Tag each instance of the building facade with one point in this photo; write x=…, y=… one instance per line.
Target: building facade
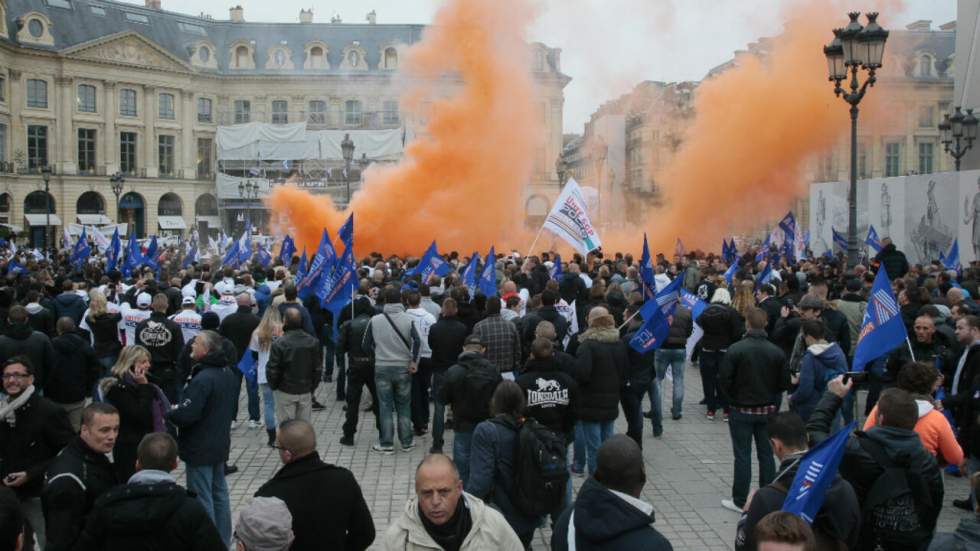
x=93, y=88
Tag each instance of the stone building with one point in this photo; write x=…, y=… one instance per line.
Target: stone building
x=92, y=88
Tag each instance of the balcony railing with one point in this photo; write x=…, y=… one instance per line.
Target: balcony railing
x=370, y=120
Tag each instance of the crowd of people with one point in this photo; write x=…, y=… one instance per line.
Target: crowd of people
x=109, y=380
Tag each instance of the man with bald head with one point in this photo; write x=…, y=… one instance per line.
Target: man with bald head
x=927, y=346
x=609, y=512
x=341, y=522
x=294, y=368
x=443, y=516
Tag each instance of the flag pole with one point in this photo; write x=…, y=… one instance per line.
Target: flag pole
x=535, y=242
x=627, y=320
x=908, y=342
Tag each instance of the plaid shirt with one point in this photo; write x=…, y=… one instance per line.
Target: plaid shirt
x=502, y=341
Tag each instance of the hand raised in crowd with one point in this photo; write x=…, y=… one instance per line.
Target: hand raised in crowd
x=839, y=387
x=14, y=480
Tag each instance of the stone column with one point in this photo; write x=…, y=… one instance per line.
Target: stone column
x=65, y=127
x=187, y=142
x=151, y=159
x=110, y=138
x=18, y=139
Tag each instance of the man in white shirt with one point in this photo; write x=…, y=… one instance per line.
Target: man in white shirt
x=421, y=379
x=187, y=318
x=226, y=304
x=131, y=317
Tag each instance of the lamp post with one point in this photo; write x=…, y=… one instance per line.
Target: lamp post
x=956, y=128
x=561, y=169
x=363, y=163
x=247, y=191
x=116, y=182
x=46, y=176
x=347, y=148
x=855, y=47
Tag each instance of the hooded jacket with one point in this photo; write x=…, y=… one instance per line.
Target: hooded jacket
x=40, y=318
x=74, y=372
x=150, y=513
x=933, y=429
x=463, y=391
x=393, y=346
x=601, y=369
x=551, y=395
x=722, y=327
x=69, y=304
x=606, y=521
x=894, y=261
x=822, y=362
x=489, y=530
x=204, y=416
x=19, y=339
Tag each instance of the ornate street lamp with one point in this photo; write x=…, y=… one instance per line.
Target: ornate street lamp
x=247, y=191
x=46, y=176
x=854, y=47
x=116, y=183
x=347, y=148
x=958, y=133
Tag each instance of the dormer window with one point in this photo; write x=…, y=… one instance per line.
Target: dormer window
x=316, y=56
x=204, y=53
x=390, y=59
x=36, y=28
x=924, y=66
x=241, y=57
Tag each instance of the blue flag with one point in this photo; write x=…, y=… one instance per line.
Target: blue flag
x=840, y=240
x=245, y=245
x=301, y=269
x=952, y=259
x=133, y=256
x=882, y=328
x=191, y=256
x=231, y=256
x=816, y=472
x=693, y=303
x=263, y=257
x=336, y=290
x=287, y=250
x=555, y=271
x=658, y=314
x=248, y=367
x=431, y=263
x=724, y=249
x=648, y=284
x=346, y=232
x=730, y=272
x=112, y=253
x=469, y=272
x=665, y=301
x=150, y=258
x=764, y=276
x=487, y=284
x=81, y=251
x=872, y=240
x=788, y=225
x=321, y=263
x=14, y=268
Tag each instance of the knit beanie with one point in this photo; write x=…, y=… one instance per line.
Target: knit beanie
x=265, y=525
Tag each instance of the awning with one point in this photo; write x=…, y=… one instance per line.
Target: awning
x=13, y=227
x=210, y=220
x=93, y=219
x=41, y=219
x=171, y=223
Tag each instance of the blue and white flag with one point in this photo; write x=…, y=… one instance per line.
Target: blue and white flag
x=764, y=276
x=469, y=272
x=263, y=257
x=80, y=252
x=730, y=272
x=231, y=256
x=321, y=263
x=249, y=368
x=431, y=263
x=191, y=255
x=952, y=258
x=151, y=251
x=336, y=290
x=245, y=245
x=840, y=240
x=346, y=232
x=693, y=303
x=112, y=253
x=14, y=268
x=555, y=271
x=487, y=284
x=816, y=472
x=872, y=240
x=882, y=328
x=287, y=250
x=788, y=225
x=648, y=284
x=658, y=314
x=665, y=301
x=569, y=220
x=134, y=258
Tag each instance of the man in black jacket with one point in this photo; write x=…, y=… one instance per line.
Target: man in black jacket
x=150, y=507
x=839, y=519
x=69, y=303
x=79, y=475
x=446, y=338
x=294, y=368
x=203, y=420
x=766, y=297
x=360, y=364
x=75, y=371
x=752, y=377
x=165, y=340
x=895, y=438
x=551, y=395
x=238, y=327
x=32, y=432
x=547, y=312
x=20, y=339
x=892, y=259
x=962, y=398
x=343, y=521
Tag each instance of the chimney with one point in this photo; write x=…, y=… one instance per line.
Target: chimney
x=237, y=14
x=920, y=25
x=372, y=17
x=306, y=16
x=153, y=4
x=951, y=26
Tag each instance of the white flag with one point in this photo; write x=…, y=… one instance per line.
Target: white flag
x=569, y=220
x=101, y=241
x=66, y=237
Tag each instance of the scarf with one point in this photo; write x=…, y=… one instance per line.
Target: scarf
x=9, y=407
x=450, y=536
x=160, y=407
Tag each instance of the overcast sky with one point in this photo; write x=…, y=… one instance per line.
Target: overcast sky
x=607, y=45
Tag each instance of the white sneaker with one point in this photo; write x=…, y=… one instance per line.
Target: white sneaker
x=253, y=424
x=730, y=505
x=409, y=447
x=386, y=450
x=234, y=425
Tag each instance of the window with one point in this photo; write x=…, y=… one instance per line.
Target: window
x=167, y=107
x=390, y=112
x=318, y=112
x=3, y=143
x=925, y=66
x=280, y=113
x=127, y=102
x=926, y=116
x=317, y=59
x=37, y=147
x=86, y=149
x=137, y=18
x=37, y=93
x=192, y=29
x=204, y=158
x=391, y=58
x=86, y=98
x=925, y=157
x=204, y=53
x=166, y=155
x=36, y=28
x=59, y=4
x=241, y=57
x=243, y=111
x=127, y=152
x=352, y=113
x=893, y=154
x=204, y=110
x=98, y=10
x=3, y=89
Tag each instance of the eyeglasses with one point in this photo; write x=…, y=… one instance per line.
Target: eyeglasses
x=10, y=376
x=281, y=448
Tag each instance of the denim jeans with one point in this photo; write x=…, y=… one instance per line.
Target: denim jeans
x=631, y=399
x=744, y=428
x=421, y=381
x=394, y=387
x=252, y=391
x=268, y=407
x=709, y=364
x=596, y=432
x=438, y=409
x=462, y=442
x=578, y=448
x=674, y=359
x=208, y=482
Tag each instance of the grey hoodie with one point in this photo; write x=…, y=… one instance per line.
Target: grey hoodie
x=389, y=348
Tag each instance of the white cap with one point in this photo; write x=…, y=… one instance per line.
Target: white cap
x=187, y=300
x=188, y=292
x=144, y=299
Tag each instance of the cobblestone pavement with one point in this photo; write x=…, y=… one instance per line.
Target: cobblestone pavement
x=689, y=471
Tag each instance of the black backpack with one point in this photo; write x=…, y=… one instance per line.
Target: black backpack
x=540, y=469
x=896, y=508
x=479, y=385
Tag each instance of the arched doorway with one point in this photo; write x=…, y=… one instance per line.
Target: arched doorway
x=132, y=212
x=535, y=210
x=36, y=214
x=90, y=209
x=206, y=215
x=170, y=218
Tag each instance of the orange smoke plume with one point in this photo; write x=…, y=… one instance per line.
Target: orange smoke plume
x=461, y=180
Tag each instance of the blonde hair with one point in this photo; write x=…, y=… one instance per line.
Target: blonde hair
x=744, y=297
x=128, y=357
x=97, y=303
x=269, y=327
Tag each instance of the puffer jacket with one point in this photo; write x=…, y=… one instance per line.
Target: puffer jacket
x=821, y=363
x=489, y=530
x=601, y=370
x=722, y=326
x=295, y=363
